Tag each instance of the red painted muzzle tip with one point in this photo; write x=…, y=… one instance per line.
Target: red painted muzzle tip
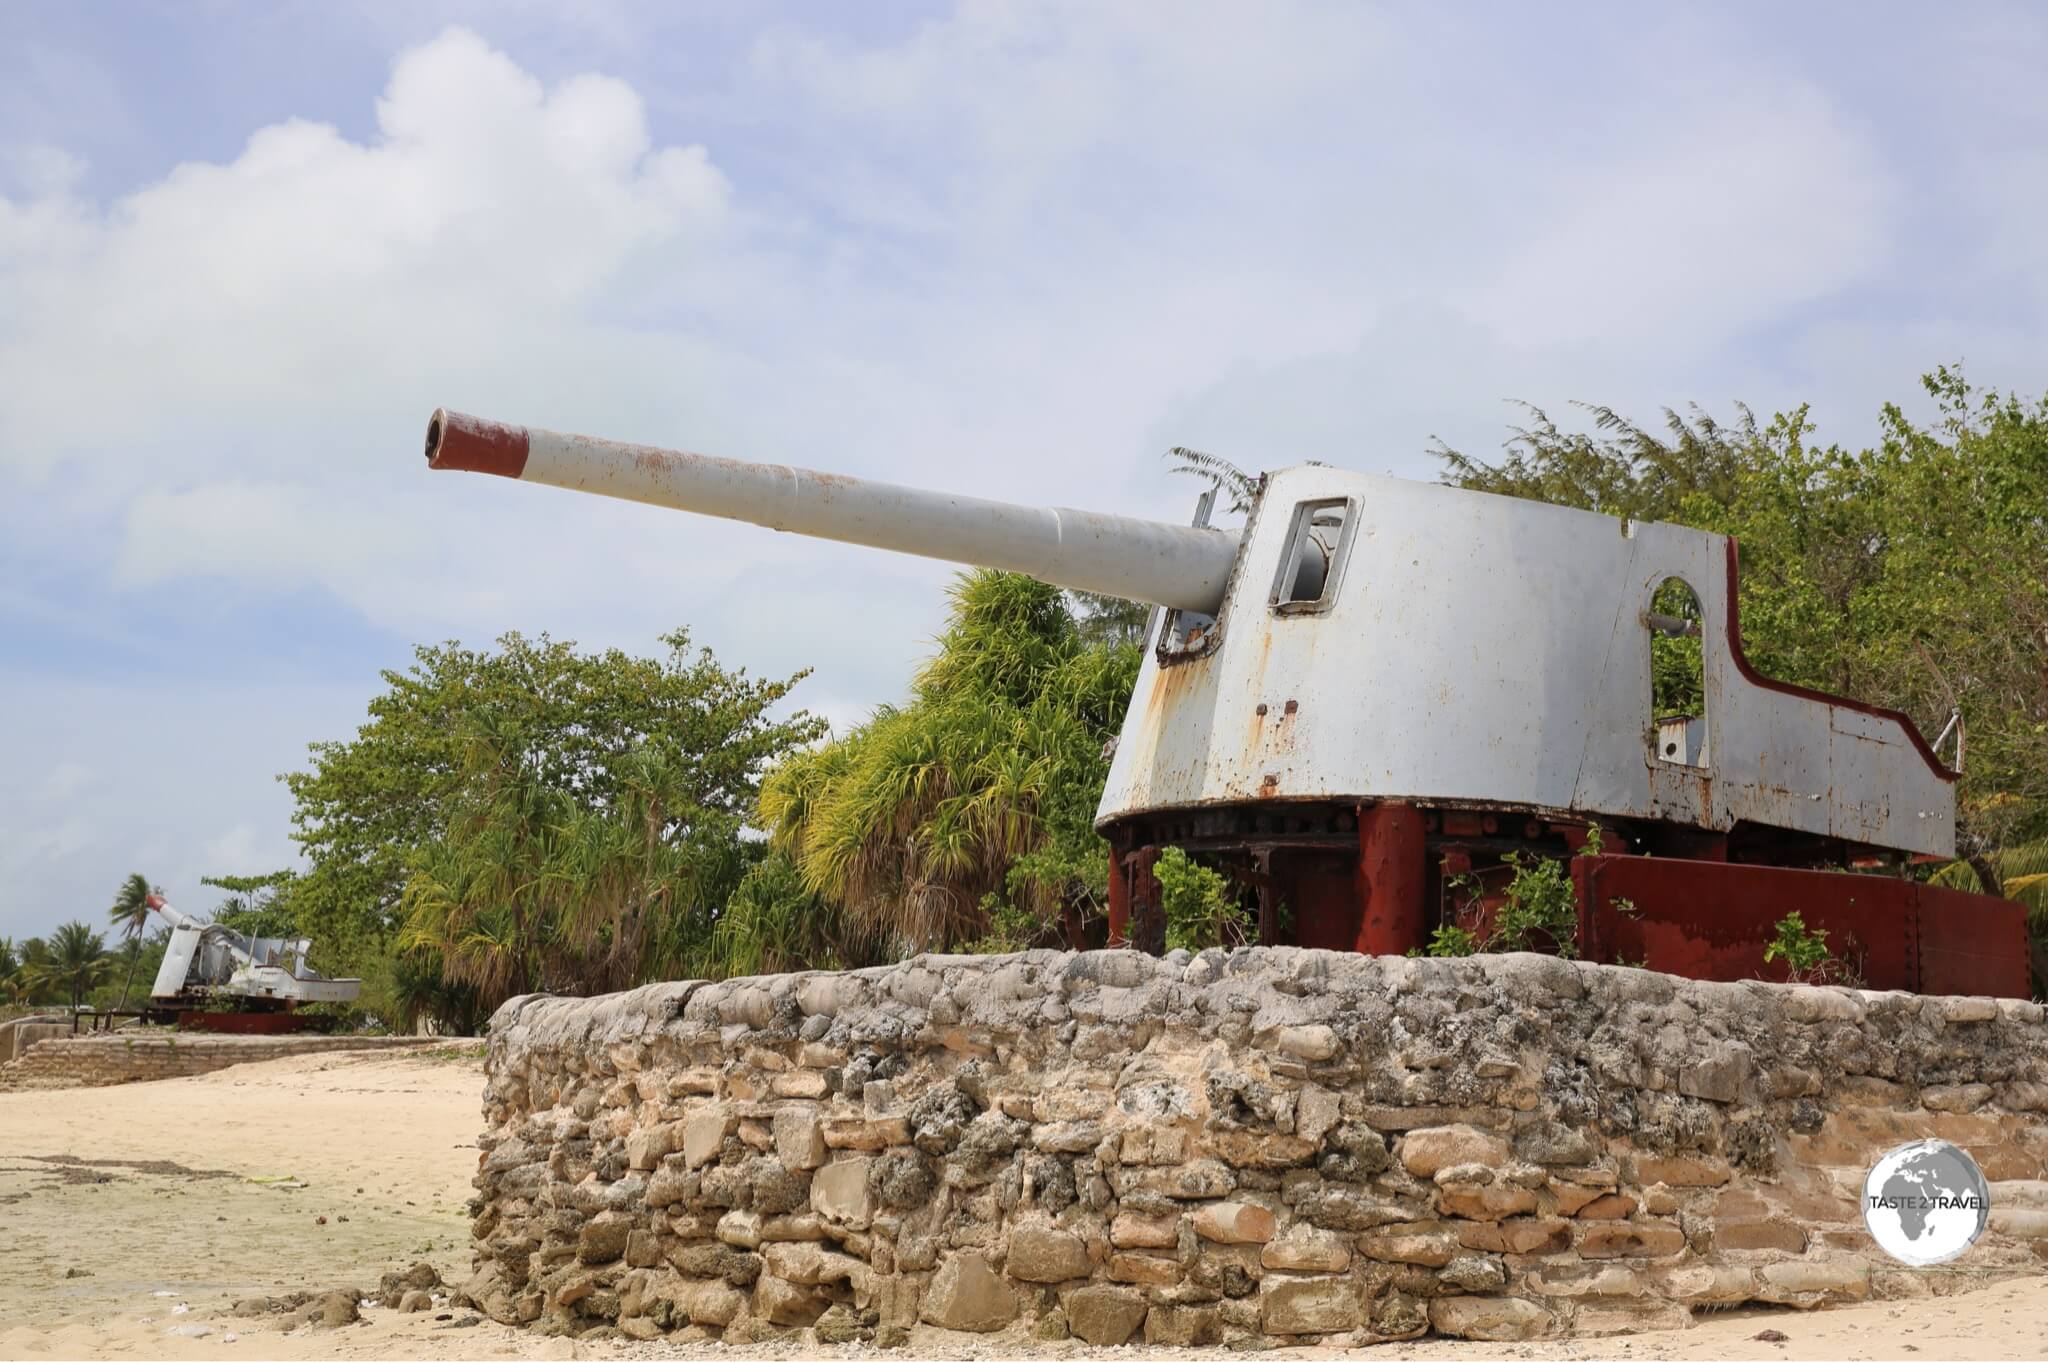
x=471, y=444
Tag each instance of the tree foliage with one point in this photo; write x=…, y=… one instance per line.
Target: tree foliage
x=256, y=905
x=537, y=818
x=130, y=916
x=1236, y=490
x=73, y=964
x=1200, y=908
x=773, y=923
x=978, y=794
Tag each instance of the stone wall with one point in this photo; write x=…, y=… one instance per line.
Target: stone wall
x=1261, y=1145
x=23, y=1034
x=98, y=1061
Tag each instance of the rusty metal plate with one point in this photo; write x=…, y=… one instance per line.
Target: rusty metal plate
x=1972, y=943
x=1706, y=920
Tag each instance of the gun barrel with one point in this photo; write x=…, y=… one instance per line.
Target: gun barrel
x=1178, y=566
x=172, y=915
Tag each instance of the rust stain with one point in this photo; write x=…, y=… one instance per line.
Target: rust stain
x=654, y=461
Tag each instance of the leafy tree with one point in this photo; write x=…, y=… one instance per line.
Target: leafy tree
x=977, y=794
x=418, y=989
x=1622, y=469
x=9, y=960
x=1109, y=620
x=535, y=816
x=130, y=914
x=76, y=960
x=527, y=889
x=256, y=905
x=772, y=923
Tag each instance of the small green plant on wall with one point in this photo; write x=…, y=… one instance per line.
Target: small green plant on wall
x=1538, y=906
x=1804, y=950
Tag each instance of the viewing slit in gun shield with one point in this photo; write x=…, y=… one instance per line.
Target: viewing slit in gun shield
x=1177, y=566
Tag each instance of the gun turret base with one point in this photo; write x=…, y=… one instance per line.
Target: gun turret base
x=1383, y=878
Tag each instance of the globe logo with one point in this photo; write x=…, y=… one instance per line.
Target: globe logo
x=1926, y=1202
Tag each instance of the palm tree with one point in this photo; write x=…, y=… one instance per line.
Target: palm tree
x=130, y=914
x=26, y=984
x=1234, y=487
x=77, y=961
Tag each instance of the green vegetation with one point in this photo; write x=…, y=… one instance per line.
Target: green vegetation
x=1536, y=910
x=256, y=905
x=534, y=818
x=971, y=804
x=1449, y=939
x=773, y=923
x=1803, y=951
x=1200, y=910
x=130, y=914
x=77, y=960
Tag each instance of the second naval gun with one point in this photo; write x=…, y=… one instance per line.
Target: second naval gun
x=214, y=978
x=1377, y=691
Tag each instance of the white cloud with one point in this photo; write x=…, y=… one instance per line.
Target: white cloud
x=1708, y=223
x=195, y=793
x=312, y=277
x=239, y=851
x=66, y=780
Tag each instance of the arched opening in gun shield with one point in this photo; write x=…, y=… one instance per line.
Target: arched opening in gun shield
x=1678, y=680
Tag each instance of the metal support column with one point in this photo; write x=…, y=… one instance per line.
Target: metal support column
x=1391, y=867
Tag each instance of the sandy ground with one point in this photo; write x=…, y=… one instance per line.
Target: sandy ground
x=148, y=1188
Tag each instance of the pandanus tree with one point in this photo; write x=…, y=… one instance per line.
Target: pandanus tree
x=975, y=798
x=532, y=817
x=536, y=884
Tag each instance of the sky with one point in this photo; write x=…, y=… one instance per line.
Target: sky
x=1013, y=250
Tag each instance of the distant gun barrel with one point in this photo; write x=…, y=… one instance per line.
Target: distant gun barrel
x=1178, y=566
x=172, y=916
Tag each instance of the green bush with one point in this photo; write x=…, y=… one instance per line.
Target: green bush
x=1200, y=910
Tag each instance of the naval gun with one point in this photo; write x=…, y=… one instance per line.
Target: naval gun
x=1380, y=693
x=216, y=979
